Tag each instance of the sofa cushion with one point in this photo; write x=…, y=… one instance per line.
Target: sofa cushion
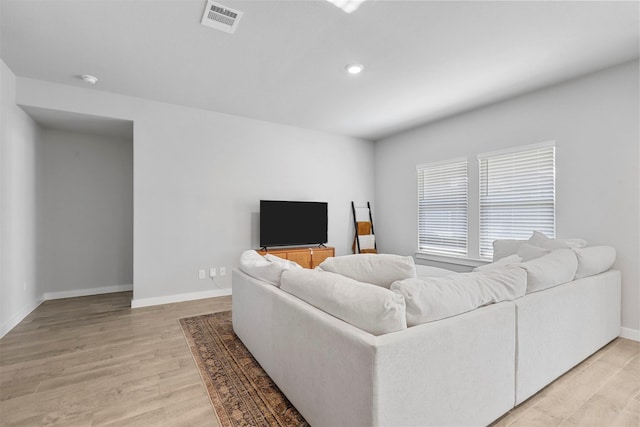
x=378, y=269
x=594, y=260
x=429, y=271
x=528, y=252
x=268, y=268
x=433, y=298
x=371, y=308
x=504, y=247
x=550, y=270
x=282, y=262
x=502, y=262
x=542, y=241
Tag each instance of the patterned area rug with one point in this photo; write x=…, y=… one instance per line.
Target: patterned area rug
x=241, y=392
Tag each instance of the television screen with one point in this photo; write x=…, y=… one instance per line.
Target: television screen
x=288, y=223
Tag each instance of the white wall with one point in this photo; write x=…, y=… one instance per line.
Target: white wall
x=198, y=179
x=20, y=157
x=87, y=213
x=595, y=123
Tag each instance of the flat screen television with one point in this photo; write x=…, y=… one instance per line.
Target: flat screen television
x=290, y=223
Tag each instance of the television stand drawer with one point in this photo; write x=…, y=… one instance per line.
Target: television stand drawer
x=307, y=257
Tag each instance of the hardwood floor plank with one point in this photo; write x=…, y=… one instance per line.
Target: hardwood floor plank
x=570, y=392
x=611, y=397
x=581, y=389
x=152, y=418
x=630, y=414
x=537, y=417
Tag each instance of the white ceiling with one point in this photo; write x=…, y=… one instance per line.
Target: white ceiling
x=423, y=60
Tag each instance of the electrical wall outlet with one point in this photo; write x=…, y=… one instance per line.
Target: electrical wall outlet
x=223, y=271
x=202, y=274
x=212, y=272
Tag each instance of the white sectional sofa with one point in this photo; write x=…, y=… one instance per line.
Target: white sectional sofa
x=559, y=327
x=463, y=370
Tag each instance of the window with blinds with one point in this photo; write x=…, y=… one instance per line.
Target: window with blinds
x=517, y=194
x=442, y=207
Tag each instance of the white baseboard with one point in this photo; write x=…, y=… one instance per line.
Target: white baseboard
x=630, y=334
x=146, y=302
x=19, y=317
x=89, y=291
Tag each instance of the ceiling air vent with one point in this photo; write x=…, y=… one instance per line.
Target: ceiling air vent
x=220, y=17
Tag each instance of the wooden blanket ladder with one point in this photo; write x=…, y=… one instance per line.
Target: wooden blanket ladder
x=364, y=241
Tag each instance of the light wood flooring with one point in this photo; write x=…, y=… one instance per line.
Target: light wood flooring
x=95, y=361
x=602, y=391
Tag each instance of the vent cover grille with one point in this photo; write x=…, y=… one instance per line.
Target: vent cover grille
x=221, y=17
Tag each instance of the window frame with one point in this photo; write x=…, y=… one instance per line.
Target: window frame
x=474, y=225
x=446, y=251
x=521, y=152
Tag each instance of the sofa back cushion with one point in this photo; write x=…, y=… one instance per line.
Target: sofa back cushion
x=433, y=298
x=371, y=308
x=542, y=241
x=504, y=247
x=594, y=260
x=528, y=252
x=378, y=269
x=550, y=270
x=430, y=271
x=267, y=268
x=502, y=262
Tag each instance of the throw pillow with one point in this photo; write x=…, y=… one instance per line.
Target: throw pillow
x=504, y=247
x=268, y=270
x=528, y=252
x=542, y=241
x=377, y=269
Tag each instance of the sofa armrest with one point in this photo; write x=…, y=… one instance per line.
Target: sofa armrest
x=323, y=365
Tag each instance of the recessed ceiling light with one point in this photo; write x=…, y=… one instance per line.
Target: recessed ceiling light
x=347, y=5
x=89, y=79
x=354, y=68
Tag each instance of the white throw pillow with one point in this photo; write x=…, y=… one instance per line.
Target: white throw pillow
x=504, y=247
x=594, y=260
x=282, y=262
x=528, y=252
x=553, y=269
x=367, y=241
x=370, y=308
x=268, y=270
x=378, y=269
x=502, y=262
x=542, y=241
x=433, y=298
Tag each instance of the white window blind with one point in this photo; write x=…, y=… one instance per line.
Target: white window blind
x=442, y=208
x=517, y=194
